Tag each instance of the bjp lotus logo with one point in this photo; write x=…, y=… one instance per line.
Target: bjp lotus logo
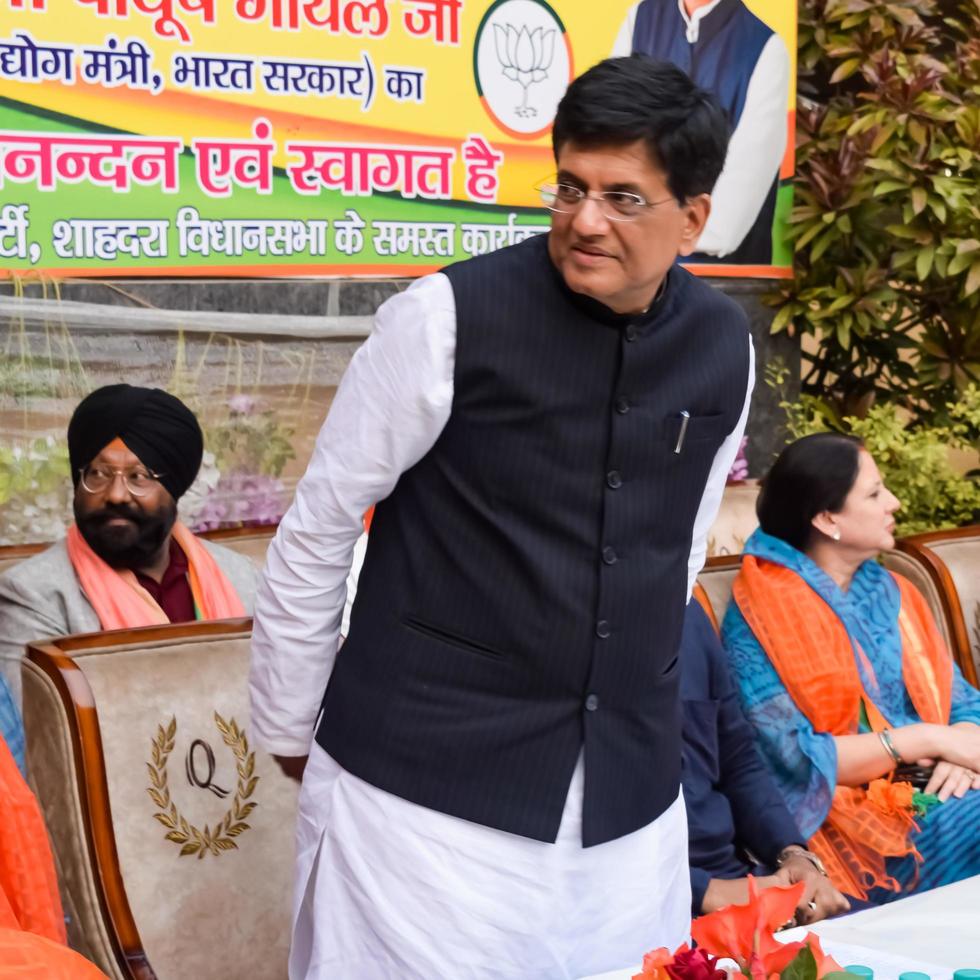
x=525, y=57
x=523, y=64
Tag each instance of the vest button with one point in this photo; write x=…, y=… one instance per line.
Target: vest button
x=614, y=480
x=592, y=702
x=603, y=629
x=632, y=333
x=622, y=406
x=609, y=556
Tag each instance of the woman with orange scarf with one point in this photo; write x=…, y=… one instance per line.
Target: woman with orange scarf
x=846, y=680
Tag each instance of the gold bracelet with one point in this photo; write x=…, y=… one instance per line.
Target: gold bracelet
x=889, y=746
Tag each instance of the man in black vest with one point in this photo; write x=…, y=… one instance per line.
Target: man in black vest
x=727, y=50
x=493, y=788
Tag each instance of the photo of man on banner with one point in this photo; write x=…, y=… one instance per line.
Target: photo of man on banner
x=728, y=50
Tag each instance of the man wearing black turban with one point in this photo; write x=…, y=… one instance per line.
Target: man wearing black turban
x=127, y=561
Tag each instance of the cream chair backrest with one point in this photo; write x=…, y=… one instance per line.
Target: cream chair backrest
x=716, y=579
x=253, y=542
x=951, y=561
x=917, y=573
x=173, y=831
x=736, y=519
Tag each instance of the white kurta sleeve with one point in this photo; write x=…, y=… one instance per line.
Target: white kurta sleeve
x=393, y=402
x=715, y=487
x=755, y=153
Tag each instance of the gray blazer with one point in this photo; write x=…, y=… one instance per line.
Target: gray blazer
x=40, y=598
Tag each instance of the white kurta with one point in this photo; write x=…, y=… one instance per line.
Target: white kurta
x=386, y=888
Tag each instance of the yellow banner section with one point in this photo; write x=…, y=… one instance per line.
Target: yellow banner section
x=454, y=97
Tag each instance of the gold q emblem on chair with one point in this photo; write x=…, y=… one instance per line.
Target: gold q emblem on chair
x=190, y=839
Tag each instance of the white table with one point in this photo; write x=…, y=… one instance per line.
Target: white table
x=941, y=926
x=936, y=932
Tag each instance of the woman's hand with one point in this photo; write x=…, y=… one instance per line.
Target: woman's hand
x=959, y=745
x=951, y=780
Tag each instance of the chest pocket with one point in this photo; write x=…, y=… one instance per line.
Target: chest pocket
x=697, y=431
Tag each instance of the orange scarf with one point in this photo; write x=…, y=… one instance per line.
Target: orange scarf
x=121, y=602
x=814, y=656
x=29, y=898
x=26, y=956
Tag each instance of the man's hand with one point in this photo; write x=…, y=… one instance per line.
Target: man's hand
x=726, y=891
x=292, y=765
x=820, y=898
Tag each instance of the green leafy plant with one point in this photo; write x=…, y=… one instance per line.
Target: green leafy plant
x=35, y=491
x=886, y=225
x=914, y=459
x=39, y=467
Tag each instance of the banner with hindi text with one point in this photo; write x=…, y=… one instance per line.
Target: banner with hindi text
x=311, y=137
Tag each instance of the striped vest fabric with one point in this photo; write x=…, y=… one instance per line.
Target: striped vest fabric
x=524, y=586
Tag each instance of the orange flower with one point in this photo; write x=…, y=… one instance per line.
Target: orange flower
x=741, y=931
x=891, y=798
x=825, y=963
x=655, y=963
x=745, y=933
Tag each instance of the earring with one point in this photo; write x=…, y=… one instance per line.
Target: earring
x=836, y=534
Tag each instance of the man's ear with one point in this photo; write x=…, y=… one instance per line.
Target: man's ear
x=695, y=211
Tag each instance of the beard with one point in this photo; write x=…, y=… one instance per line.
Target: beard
x=135, y=544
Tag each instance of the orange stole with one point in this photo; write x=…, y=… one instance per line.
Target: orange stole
x=29, y=897
x=121, y=602
x=813, y=654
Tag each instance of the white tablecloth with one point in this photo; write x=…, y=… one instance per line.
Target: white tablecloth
x=936, y=932
x=941, y=926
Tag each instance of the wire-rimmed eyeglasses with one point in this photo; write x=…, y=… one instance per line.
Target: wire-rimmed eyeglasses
x=139, y=482
x=615, y=205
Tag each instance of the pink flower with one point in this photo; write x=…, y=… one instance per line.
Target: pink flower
x=740, y=468
x=243, y=404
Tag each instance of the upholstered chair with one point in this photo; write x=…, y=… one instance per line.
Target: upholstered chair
x=736, y=519
x=950, y=561
x=715, y=583
x=253, y=542
x=173, y=831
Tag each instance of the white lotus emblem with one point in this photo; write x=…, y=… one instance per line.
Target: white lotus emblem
x=525, y=57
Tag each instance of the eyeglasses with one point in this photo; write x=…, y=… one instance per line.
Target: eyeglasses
x=615, y=205
x=98, y=479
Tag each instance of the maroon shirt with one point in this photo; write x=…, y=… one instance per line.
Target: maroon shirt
x=173, y=592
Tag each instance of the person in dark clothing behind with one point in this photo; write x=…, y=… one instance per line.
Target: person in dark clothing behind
x=738, y=824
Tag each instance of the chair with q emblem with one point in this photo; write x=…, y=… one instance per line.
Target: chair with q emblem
x=173, y=833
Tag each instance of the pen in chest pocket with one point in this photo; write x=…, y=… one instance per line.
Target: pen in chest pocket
x=685, y=418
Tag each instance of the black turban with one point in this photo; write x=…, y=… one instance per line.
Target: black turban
x=159, y=428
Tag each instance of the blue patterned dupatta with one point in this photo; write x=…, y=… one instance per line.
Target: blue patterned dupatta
x=803, y=759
